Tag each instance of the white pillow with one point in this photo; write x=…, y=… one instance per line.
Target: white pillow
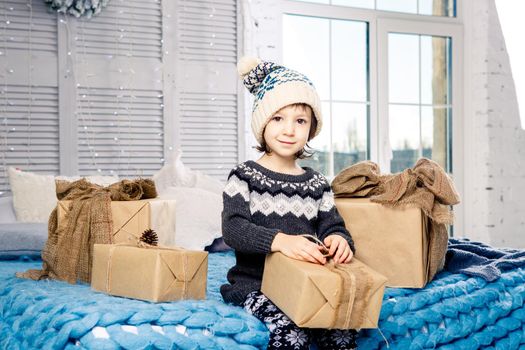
x=175, y=174
x=198, y=216
x=34, y=195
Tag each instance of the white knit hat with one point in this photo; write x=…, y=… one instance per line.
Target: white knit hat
x=275, y=87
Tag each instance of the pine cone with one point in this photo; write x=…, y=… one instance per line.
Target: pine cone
x=150, y=237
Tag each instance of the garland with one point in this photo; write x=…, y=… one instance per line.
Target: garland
x=77, y=8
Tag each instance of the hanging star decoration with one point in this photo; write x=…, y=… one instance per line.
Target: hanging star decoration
x=77, y=8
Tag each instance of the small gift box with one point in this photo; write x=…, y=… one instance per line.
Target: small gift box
x=394, y=242
x=131, y=218
x=334, y=296
x=149, y=273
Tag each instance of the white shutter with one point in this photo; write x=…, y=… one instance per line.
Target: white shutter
x=130, y=142
x=208, y=132
x=28, y=97
x=112, y=94
x=208, y=30
x=206, y=83
x=119, y=100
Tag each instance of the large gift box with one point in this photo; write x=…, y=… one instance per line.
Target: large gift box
x=152, y=273
x=132, y=218
x=334, y=296
x=394, y=242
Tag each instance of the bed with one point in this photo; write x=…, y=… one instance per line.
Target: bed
x=453, y=312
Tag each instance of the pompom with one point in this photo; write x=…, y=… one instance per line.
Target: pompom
x=246, y=64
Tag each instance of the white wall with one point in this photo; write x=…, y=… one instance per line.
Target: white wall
x=494, y=141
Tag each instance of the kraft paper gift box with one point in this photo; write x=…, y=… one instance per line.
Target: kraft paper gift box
x=394, y=242
x=132, y=218
x=321, y=296
x=154, y=274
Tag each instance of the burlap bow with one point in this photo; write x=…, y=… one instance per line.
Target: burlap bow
x=425, y=186
x=68, y=252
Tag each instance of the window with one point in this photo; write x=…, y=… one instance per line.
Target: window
x=340, y=75
x=422, y=7
x=389, y=82
x=418, y=91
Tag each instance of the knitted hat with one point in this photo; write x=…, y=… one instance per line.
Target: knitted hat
x=275, y=87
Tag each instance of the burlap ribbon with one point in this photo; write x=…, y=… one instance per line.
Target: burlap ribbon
x=356, y=291
x=68, y=252
x=425, y=186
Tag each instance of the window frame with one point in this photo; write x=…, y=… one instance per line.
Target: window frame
x=379, y=24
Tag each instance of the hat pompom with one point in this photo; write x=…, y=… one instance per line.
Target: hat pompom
x=246, y=64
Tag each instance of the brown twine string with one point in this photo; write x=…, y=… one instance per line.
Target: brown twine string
x=184, y=270
x=319, y=242
x=340, y=272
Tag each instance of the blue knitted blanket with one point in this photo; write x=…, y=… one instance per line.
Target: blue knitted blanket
x=482, y=260
x=56, y=315
x=454, y=311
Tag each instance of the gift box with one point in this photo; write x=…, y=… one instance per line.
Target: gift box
x=132, y=218
x=155, y=274
x=394, y=242
x=333, y=296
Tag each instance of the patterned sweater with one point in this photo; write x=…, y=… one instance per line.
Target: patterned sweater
x=259, y=203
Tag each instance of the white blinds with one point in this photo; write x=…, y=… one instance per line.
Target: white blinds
x=28, y=89
x=114, y=94
x=207, y=85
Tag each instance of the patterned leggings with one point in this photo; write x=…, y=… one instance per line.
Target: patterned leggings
x=284, y=334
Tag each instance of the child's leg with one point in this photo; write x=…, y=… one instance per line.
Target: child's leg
x=284, y=334
x=335, y=339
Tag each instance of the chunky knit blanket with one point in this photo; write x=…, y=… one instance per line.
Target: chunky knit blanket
x=454, y=311
x=56, y=315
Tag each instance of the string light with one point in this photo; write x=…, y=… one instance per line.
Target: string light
x=88, y=134
x=29, y=131
x=5, y=94
x=120, y=88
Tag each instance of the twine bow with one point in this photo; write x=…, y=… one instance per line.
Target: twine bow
x=348, y=287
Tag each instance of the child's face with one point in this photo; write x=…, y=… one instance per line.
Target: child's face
x=287, y=131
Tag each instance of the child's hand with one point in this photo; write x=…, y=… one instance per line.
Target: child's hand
x=339, y=246
x=299, y=248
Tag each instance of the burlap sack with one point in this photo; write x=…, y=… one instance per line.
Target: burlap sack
x=425, y=186
x=68, y=252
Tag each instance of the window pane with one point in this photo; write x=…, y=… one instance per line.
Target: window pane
x=435, y=135
x=349, y=61
x=367, y=4
x=407, y=6
x=349, y=134
x=403, y=68
x=404, y=136
x=437, y=7
x=305, y=49
x=321, y=144
x=316, y=1
x=434, y=70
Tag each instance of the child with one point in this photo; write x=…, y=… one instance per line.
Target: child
x=268, y=204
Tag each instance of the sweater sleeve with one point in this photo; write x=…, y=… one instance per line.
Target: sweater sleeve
x=330, y=221
x=238, y=231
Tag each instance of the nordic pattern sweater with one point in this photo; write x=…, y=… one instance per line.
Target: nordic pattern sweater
x=259, y=203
